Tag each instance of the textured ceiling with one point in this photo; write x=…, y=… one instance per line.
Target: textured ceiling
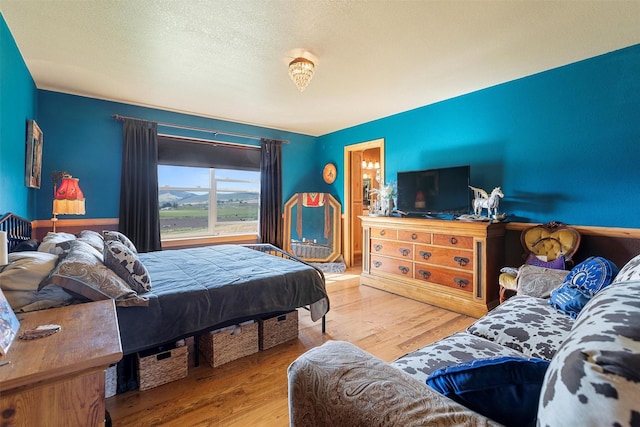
x=228, y=59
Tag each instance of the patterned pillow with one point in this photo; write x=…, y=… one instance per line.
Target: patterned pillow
x=630, y=271
x=125, y=263
x=454, y=349
x=539, y=281
x=505, y=389
x=93, y=238
x=592, y=275
x=51, y=242
x=594, y=379
x=529, y=325
x=82, y=274
x=116, y=235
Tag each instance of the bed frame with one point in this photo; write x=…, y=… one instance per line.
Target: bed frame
x=275, y=251
x=18, y=230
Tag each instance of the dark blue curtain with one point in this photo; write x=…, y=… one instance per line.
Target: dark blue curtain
x=139, y=215
x=271, y=192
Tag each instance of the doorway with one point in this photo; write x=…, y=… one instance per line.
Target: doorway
x=354, y=192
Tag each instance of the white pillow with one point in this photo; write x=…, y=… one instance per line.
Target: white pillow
x=20, y=279
x=51, y=240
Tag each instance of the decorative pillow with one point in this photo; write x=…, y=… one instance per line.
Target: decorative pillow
x=594, y=378
x=452, y=350
x=21, y=278
x=116, y=235
x=630, y=271
x=526, y=324
x=51, y=241
x=126, y=264
x=556, y=264
x=505, y=389
x=569, y=299
x=592, y=275
x=539, y=281
x=583, y=281
x=82, y=274
x=93, y=238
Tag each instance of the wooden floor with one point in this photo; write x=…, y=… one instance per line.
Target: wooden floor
x=252, y=391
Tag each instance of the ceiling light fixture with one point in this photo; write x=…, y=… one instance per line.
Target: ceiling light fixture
x=301, y=72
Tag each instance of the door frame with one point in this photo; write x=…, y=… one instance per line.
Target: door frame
x=349, y=215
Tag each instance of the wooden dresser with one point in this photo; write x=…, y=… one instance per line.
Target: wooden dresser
x=59, y=380
x=451, y=264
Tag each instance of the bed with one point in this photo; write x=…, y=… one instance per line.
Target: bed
x=175, y=293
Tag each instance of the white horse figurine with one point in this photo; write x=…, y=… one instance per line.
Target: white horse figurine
x=483, y=200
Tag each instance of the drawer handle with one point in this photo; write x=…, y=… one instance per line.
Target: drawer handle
x=461, y=260
x=403, y=269
x=453, y=241
x=377, y=247
x=404, y=251
x=377, y=264
x=382, y=232
x=414, y=236
x=424, y=273
x=425, y=254
x=461, y=282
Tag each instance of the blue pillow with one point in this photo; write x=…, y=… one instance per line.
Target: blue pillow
x=592, y=275
x=505, y=389
x=569, y=299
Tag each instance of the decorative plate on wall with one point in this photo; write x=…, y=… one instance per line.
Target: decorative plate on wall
x=329, y=173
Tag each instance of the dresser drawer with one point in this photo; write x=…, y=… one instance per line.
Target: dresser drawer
x=454, y=241
x=414, y=236
x=385, y=233
x=445, y=257
x=392, y=248
x=443, y=276
x=392, y=266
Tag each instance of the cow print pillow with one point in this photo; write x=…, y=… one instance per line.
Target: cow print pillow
x=594, y=378
x=527, y=324
x=125, y=263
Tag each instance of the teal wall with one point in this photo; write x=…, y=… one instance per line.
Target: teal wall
x=17, y=105
x=83, y=139
x=563, y=144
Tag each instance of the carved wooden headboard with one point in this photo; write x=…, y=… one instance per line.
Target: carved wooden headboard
x=18, y=229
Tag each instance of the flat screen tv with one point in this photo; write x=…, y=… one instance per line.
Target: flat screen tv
x=435, y=192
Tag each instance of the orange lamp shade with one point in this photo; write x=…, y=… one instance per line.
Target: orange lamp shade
x=68, y=198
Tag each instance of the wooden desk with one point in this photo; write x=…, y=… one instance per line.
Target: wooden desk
x=59, y=380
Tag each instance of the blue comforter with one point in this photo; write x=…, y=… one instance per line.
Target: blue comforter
x=197, y=289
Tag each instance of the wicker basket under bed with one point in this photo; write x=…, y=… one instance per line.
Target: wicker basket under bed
x=223, y=346
x=161, y=367
x=278, y=329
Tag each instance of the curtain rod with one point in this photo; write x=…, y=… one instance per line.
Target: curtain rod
x=211, y=142
x=214, y=132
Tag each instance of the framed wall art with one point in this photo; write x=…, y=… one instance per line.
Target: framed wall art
x=33, y=166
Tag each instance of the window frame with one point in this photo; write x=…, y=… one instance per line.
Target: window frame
x=213, y=189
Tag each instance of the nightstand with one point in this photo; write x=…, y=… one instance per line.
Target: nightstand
x=59, y=380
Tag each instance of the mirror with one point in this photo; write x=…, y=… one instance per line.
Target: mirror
x=312, y=227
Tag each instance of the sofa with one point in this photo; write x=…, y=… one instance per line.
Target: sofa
x=591, y=375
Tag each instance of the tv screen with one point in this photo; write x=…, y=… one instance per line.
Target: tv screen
x=435, y=192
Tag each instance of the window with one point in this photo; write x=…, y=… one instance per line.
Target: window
x=200, y=201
